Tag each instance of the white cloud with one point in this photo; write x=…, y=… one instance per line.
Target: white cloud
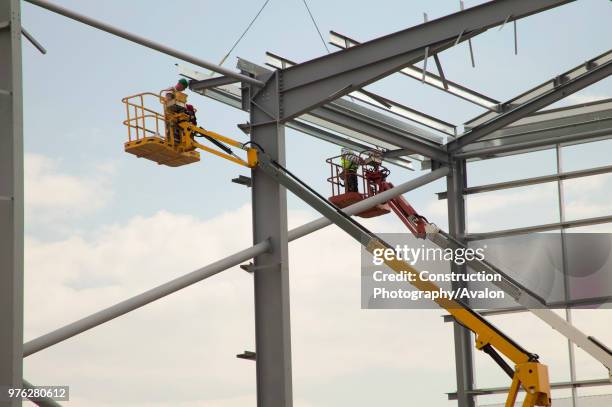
x=53, y=193
x=588, y=197
x=180, y=351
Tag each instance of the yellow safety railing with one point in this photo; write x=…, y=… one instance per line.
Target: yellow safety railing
x=142, y=121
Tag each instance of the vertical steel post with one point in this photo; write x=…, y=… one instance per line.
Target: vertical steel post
x=456, y=182
x=566, y=279
x=271, y=270
x=11, y=198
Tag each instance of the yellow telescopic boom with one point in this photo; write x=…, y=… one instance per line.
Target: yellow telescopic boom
x=168, y=138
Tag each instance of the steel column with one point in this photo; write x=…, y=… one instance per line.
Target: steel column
x=271, y=269
x=11, y=199
x=456, y=183
x=566, y=279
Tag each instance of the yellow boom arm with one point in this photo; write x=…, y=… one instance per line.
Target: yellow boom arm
x=178, y=146
x=528, y=372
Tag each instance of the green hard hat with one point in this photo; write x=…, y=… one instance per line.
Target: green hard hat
x=184, y=82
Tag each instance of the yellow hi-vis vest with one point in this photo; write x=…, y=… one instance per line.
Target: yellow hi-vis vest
x=349, y=163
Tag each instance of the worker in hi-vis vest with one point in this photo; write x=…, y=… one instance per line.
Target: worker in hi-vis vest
x=350, y=164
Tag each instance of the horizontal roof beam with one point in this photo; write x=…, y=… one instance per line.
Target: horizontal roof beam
x=569, y=125
x=373, y=124
x=358, y=122
x=343, y=141
x=545, y=139
x=336, y=114
x=544, y=95
x=315, y=127
x=540, y=89
x=415, y=72
x=380, y=102
x=318, y=81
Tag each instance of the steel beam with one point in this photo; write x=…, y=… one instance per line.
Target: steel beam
x=550, y=305
x=11, y=199
x=374, y=124
x=438, y=82
x=143, y=41
x=456, y=181
x=140, y=300
x=370, y=202
x=533, y=181
x=565, y=267
x=33, y=41
x=554, y=386
x=40, y=401
x=566, y=125
x=271, y=269
x=351, y=119
x=541, y=89
x=540, y=228
x=548, y=139
x=380, y=102
x=135, y=302
x=200, y=85
x=342, y=141
x=355, y=115
x=316, y=82
x=534, y=100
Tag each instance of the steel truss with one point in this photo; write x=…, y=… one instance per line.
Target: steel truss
x=308, y=97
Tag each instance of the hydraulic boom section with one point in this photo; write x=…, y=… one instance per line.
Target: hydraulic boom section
x=168, y=138
x=527, y=374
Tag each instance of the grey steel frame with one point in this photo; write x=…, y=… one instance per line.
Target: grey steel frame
x=315, y=88
x=11, y=198
x=456, y=183
x=271, y=276
x=562, y=225
x=414, y=72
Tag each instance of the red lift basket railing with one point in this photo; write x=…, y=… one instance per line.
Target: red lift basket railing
x=372, y=179
x=342, y=198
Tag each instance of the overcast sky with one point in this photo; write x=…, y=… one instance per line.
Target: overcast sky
x=102, y=225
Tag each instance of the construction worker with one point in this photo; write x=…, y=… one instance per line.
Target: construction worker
x=350, y=164
x=173, y=133
x=180, y=86
x=191, y=112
